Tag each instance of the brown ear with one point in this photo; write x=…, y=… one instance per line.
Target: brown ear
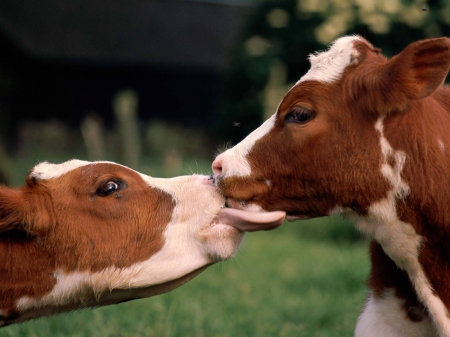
x=22, y=209
x=415, y=73
x=12, y=210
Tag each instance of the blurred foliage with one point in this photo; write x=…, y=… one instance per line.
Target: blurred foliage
x=171, y=150
x=286, y=31
x=161, y=137
x=167, y=150
x=7, y=86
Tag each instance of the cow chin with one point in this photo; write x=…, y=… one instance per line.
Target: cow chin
x=243, y=192
x=220, y=241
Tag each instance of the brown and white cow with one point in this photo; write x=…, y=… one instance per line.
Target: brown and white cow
x=367, y=137
x=88, y=234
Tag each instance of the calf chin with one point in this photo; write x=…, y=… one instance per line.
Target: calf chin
x=220, y=242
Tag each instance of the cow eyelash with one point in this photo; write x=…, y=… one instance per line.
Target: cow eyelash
x=300, y=115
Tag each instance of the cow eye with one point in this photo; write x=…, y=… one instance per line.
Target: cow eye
x=299, y=115
x=108, y=188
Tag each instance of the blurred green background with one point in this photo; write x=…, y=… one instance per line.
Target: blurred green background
x=162, y=86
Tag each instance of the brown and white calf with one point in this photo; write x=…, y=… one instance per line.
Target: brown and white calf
x=367, y=137
x=83, y=234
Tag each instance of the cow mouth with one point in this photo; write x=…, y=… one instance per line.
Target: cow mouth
x=250, y=207
x=247, y=220
x=245, y=215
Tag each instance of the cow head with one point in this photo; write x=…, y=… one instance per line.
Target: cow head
x=325, y=148
x=83, y=234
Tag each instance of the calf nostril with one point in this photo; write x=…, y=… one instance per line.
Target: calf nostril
x=217, y=166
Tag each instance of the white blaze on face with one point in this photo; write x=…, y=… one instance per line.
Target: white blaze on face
x=234, y=161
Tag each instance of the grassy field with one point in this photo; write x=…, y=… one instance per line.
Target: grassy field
x=303, y=279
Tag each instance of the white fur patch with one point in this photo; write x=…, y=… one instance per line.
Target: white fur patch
x=76, y=287
x=399, y=240
x=254, y=208
x=234, y=160
x=339, y=210
x=46, y=170
x=441, y=145
x=329, y=66
x=392, y=173
x=386, y=317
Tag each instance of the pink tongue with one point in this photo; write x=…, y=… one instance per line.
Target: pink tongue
x=250, y=221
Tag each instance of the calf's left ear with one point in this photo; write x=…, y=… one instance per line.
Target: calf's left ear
x=24, y=210
x=12, y=209
x=413, y=74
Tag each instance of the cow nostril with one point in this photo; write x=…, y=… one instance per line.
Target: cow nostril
x=217, y=166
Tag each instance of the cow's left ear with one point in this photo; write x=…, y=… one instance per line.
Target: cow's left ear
x=413, y=74
x=24, y=210
x=12, y=209
x=39, y=214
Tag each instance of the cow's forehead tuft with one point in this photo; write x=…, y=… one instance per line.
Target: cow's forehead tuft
x=328, y=66
x=46, y=170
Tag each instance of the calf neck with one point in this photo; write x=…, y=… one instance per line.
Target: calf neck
x=367, y=137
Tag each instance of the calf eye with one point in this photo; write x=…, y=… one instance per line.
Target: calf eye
x=108, y=188
x=299, y=115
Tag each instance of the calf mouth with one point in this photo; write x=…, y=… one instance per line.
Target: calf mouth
x=239, y=211
x=257, y=195
x=241, y=192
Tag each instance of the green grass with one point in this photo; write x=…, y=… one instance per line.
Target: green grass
x=287, y=282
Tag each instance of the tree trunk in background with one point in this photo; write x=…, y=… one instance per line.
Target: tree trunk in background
x=276, y=88
x=125, y=105
x=93, y=136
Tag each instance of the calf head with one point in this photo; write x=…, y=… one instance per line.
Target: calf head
x=327, y=146
x=83, y=234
